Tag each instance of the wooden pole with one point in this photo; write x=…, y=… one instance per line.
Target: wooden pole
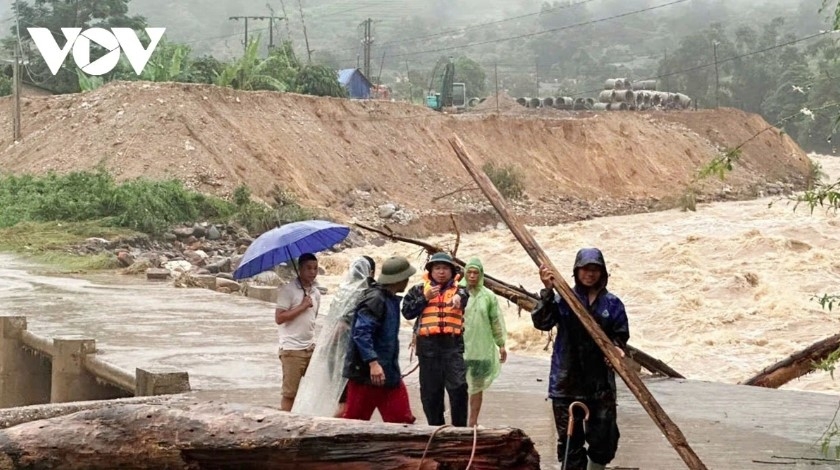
x=16, y=90
x=527, y=301
x=634, y=383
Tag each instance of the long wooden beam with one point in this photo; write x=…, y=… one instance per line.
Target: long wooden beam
x=633, y=381
x=527, y=301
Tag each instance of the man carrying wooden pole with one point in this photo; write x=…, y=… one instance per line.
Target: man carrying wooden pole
x=634, y=383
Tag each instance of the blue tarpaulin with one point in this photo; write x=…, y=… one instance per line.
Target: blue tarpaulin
x=357, y=85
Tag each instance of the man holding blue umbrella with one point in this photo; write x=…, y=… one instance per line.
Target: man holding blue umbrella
x=297, y=306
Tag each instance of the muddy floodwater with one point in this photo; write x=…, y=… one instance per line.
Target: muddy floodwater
x=718, y=294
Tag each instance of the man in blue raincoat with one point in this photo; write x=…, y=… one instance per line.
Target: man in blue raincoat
x=579, y=369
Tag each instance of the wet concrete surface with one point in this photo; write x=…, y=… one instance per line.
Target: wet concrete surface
x=228, y=345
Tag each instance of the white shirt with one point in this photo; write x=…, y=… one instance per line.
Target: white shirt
x=299, y=333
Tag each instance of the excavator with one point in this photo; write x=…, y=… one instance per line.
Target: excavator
x=452, y=96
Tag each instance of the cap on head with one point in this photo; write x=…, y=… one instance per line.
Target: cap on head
x=395, y=269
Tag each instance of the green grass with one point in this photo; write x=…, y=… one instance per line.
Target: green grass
x=41, y=216
x=47, y=243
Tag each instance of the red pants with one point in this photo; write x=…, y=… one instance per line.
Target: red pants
x=392, y=403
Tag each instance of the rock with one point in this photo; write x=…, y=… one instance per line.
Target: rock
x=501, y=226
x=244, y=241
x=139, y=267
x=169, y=237
x=213, y=233
x=157, y=274
x=180, y=265
x=223, y=290
x=220, y=265
x=269, y=278
x=196, y=257
x=386, y=211
x=125, y=258
x=207, y=281
x=222, y=283
x=225, y=276
x=201, y=271
x=198, y=231
x=234, y=261
x=183, y=232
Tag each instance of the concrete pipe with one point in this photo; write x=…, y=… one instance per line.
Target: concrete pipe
x=606, y=96
x=589, y=103
x=645, y=85
x=656, y=100
x=683, y=100
x=622, y=84
x=600, y=107
x=473, y=102
x=580, y=103
x=548, y=102
x=609, y=84
x=619, y=106
x=564, y=102
x=534, y=103
x=522, y=101
x=641, y=97
x=624, y=96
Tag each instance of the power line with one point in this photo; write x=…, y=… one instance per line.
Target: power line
x=480, y=25
x=539, y=33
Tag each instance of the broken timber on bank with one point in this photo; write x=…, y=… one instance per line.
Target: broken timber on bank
x=634, y=383
x=796, y=365
x=231, y=436
x=527, y=301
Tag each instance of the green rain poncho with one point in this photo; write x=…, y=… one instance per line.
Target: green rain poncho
x=484, y=333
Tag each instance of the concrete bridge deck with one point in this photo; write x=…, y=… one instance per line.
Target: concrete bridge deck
x=228, y=346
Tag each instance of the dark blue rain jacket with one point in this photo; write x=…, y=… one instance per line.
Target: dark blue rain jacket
x=579, y=369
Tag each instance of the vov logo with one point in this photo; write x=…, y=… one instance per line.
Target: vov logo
x=114, y=40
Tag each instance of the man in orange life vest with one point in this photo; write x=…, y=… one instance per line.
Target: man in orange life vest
x=438, y=304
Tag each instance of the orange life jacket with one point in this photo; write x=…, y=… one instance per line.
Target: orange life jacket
x=440, y=316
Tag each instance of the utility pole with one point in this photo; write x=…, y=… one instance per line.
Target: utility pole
x=381, y=64
x=367, y=41
x=537, y=75
x=667, y=83
x=408, y=77
x=270, y=30
x=305, y=36
x=496, y=77
x=717, y=77
x=286, y=17
x=16, y=91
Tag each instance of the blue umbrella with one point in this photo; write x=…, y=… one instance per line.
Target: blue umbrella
x=288, y=243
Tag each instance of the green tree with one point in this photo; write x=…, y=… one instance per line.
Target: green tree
x=319, y=80
x=472, y=74
x=57, y=14
x=250, y=72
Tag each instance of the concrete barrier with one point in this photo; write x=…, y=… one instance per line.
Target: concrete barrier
x=264, y=293
x=36, y=370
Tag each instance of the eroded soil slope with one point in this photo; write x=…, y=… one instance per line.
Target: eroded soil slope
x=349, y=157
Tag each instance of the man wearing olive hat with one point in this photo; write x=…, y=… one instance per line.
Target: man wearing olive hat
x=372, y=364
x=438, y=304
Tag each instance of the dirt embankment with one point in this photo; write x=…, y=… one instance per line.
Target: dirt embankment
x=351, y=157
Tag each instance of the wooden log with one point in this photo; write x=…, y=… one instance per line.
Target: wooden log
x=527, y=301
x=23, y=414
x=633, y=381
x=796, y=365
x=230, y=436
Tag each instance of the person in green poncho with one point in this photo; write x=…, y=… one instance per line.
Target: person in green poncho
x=484, y=337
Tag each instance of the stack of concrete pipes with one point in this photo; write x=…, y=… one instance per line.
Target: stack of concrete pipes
x=622, y=94
x=560, y=102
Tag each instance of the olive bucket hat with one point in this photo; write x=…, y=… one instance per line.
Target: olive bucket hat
x=441, y=257
x=395, y=269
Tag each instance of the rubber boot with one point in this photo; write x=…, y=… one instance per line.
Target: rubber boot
x=595, y=466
